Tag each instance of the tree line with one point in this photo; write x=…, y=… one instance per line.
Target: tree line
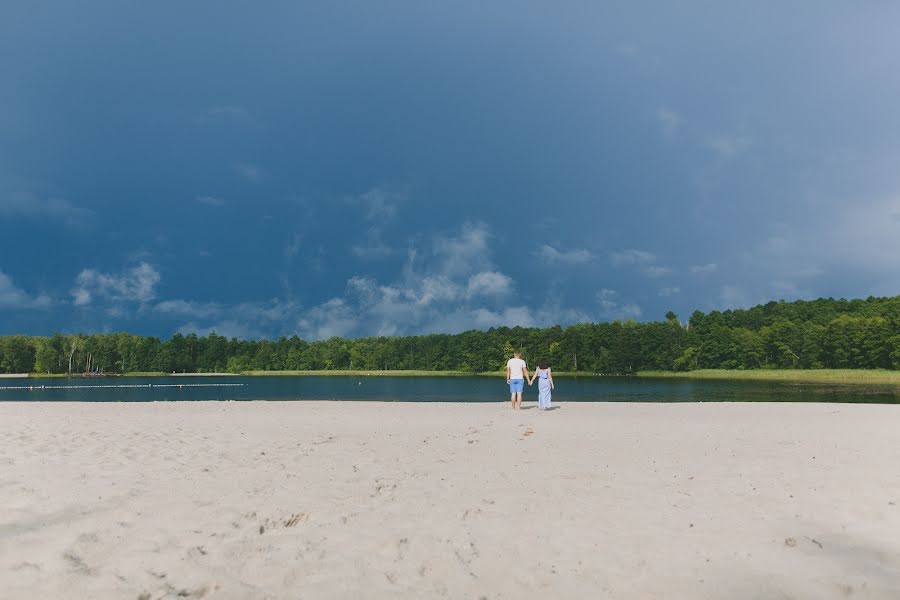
x=824, y=333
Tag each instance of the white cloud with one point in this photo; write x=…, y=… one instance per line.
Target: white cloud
x=606, y=295
x=702, y=269
x=55, y=209
x=81, y=296
x=465, y=253
x=273, y=311
x=366, y=288
x=378, y=208
x=292, y=247
x=668, y=291
x=246, y=319
x=626, y=312
x=669, y=120
x=211, y=200
x=640, y=261
x=450, y=286
x=656, y=271
x=249, y=172
x=553, y=312
x=187, y=308
x=332, y=318
x=432, y=289
x=489, y=283
x=133, y=285
x=388, y=309
x=467, y=318
x=315, y=260
x=403, y=307
x=612, y=308
x=551, y=255
x=16, y=298
x=378, y=205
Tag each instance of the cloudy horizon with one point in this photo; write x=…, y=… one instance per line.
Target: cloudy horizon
x=403, y=169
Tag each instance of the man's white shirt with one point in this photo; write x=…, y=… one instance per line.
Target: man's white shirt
x=516, y=368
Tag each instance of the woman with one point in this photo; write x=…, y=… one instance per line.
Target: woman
x=545, y=384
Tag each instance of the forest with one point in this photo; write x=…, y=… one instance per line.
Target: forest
x=823, y=333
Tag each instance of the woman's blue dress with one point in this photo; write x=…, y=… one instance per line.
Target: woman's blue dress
x=543, y=388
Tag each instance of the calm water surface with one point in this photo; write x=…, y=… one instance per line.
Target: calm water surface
x=432, y=389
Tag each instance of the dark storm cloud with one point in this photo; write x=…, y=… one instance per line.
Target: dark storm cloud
x=398, y=167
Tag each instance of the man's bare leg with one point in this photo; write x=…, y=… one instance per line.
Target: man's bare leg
x=518, y=400
x=512, y=400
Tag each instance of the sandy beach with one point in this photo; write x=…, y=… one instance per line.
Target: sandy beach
x=385, y=500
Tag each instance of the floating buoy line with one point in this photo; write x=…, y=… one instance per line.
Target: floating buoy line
x=120, y=386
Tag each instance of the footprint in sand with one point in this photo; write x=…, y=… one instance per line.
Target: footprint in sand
x=402, y=547
x=280, y=523
x=383, y=488
x=295, y=519
x=466, y=553
x=77, y=563
x=471, y=512
x=74, y=556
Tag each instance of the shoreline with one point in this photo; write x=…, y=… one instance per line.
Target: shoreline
x=828, y=376
x=825, y=376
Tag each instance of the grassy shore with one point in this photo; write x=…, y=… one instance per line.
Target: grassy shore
x=399, y=373
x=322, y=373
x=798, y=375
x=82, y=376
x=358, y=373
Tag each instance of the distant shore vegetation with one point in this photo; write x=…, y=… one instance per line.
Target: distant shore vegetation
x=790, y=336
x=837, y=376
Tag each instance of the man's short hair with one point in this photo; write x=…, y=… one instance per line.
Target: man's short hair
x=517, y=353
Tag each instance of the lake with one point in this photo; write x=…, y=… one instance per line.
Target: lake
x=432, y=389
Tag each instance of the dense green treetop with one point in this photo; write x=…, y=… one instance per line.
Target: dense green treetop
x=824, y=333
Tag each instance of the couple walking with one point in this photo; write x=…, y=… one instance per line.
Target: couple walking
x=517, y=373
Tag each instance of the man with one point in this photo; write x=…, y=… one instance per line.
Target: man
x=516, y=372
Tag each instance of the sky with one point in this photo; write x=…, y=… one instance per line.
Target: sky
x=395, y=168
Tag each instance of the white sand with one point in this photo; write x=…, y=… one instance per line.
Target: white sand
x=372, y=500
